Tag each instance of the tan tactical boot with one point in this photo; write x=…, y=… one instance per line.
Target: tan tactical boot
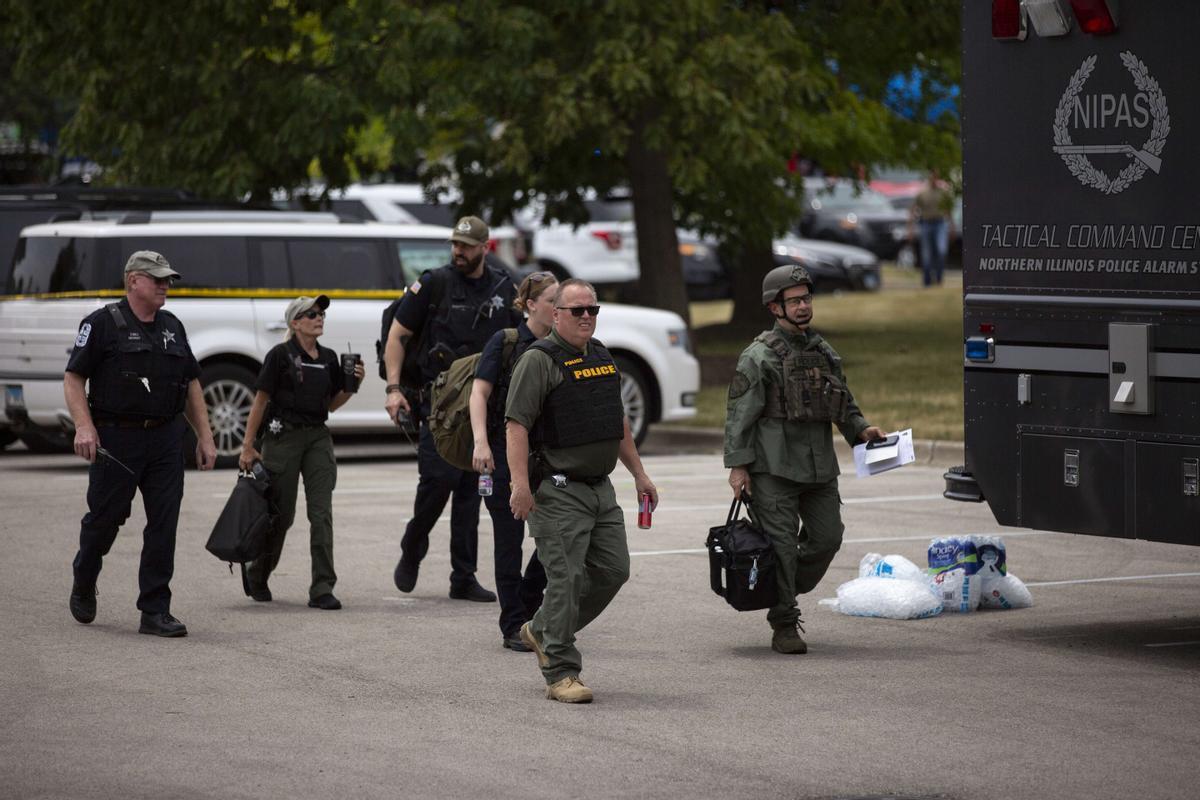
x=569, y=690
x=787, y=640
x=533, y=644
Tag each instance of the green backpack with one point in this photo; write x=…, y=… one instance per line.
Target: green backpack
x=450, y=406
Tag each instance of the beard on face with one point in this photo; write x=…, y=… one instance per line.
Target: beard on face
x=467, y=265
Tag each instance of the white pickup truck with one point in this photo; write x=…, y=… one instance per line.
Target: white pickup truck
x=238, y=277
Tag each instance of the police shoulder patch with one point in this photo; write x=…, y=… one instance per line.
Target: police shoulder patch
x=85, y=331
x=415, y=288
x=738, y=386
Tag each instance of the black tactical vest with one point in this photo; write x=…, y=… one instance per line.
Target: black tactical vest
x=304, y=391
x=811, y=392
x=586, y=407
x=148, y=376
x=465, y=318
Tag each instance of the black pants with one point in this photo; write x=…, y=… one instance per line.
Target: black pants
x=438, y=481
x=519, y=596
x=156, y=458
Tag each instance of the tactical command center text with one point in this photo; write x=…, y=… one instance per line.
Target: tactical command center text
x=1092, y=237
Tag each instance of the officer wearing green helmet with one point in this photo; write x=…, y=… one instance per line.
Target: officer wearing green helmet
x=787, y=389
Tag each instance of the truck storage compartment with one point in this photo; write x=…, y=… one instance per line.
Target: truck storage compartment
x=1073, y=484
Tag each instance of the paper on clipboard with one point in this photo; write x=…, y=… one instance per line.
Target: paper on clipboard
x=874, y=460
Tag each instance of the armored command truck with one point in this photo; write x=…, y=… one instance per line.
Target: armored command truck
x=1081, y=275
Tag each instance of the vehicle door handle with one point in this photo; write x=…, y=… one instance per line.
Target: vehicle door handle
x=277, y=326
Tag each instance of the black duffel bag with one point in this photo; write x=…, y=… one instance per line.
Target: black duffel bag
x=240, y=534
x=741, y=554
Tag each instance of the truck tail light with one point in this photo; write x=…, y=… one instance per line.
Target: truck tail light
x=611, y=239
x=1048, y=17
x=1097, y=17
x=1008, y=19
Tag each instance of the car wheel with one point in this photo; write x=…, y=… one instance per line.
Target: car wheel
x=46, y=440
x=869, y=281
x=635, y=394
x=228, y=395
x=556, y=269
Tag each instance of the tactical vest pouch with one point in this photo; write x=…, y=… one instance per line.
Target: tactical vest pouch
x=741, y=561
x=810, y=392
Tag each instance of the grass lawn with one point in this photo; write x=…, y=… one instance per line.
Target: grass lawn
x=901, y=349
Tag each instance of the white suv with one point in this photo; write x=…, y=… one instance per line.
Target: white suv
x=238, y=277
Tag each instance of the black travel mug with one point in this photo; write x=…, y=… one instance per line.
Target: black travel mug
x=349, y=362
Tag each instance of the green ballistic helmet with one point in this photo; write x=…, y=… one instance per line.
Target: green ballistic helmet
x=784, y=277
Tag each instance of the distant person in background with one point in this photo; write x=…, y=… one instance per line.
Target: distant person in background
x=932, y=214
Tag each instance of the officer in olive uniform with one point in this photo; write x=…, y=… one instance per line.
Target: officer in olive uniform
x=786, y=391
x=300, y=384
x=139, y=372
x=564, y=403
x=455, y=309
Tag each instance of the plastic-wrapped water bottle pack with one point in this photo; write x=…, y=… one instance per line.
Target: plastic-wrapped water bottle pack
x=965, y=573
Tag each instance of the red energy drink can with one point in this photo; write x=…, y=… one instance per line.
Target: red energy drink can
x=644, y=511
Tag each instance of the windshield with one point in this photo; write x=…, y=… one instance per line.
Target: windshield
x=51, y=264
x=847, y=197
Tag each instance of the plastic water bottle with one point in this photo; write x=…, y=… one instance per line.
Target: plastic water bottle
x=485, y=484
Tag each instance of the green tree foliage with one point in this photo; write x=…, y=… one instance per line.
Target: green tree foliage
x=694, y=105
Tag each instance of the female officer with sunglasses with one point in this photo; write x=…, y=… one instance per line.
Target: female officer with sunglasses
x=300, y=383
x=519, y=597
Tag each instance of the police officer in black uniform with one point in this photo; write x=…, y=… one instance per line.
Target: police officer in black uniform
x=455, y=309
x=140, y=374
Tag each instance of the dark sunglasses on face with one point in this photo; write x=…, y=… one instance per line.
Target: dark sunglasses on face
x=160, y=281
x=312, y=315
x=578, y=311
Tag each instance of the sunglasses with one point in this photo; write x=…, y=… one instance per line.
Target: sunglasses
x=159, y=281
x=579, y=311
x=311, y=315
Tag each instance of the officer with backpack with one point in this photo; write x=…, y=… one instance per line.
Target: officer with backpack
x=787, y=389
x=448, y=313
x=520, y=596
x=139, y=372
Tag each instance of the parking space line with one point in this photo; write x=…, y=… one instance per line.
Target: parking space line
x=1118, y=578
x=1173, y=644
x=863, y=540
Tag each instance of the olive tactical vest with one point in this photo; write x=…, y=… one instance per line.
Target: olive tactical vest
x=586, y=407
x=147, y=378
x=810, y=391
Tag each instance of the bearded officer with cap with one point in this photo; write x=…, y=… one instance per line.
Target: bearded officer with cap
x=787, y=389
x=129, y=376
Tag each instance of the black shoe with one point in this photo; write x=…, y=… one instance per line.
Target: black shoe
x=405, y=576
x=162, y=625
x=325, y=602
x=260, y=593
x=514, y=643
x=83, y=603
x=474, y=593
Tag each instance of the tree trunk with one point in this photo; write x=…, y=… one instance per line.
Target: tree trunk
x=752, y=261
x=661, y=282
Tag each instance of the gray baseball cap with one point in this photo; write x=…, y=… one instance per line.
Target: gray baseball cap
x=151, y=263
x=470, y=230
x=302, y=304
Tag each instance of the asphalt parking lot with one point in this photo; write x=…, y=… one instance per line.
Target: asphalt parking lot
x=1092, y=693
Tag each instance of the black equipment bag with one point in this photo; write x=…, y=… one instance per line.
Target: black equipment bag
x=741, y=551
x=240, y=534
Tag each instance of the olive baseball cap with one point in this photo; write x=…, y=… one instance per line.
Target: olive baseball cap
x=302, y=304
x=470, y=230
x=151, y=263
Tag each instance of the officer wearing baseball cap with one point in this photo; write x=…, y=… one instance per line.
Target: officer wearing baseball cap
x=787, y=389
x=448, y=313
x=129, y=376
x=299, y=385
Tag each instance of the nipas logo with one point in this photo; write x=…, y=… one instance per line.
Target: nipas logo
x=1147, y=107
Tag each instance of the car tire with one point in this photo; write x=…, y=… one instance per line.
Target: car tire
x=46, y=441
x=635, y=394
x=228, y=395
x=560, y=273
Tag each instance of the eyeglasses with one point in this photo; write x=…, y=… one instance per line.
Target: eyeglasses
x=579, y=311
x=803, y=300
x=312, y=314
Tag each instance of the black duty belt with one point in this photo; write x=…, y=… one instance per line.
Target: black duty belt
x=152, y=422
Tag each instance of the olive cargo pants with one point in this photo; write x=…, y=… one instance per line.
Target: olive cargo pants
x=580, y=535
x=803, y=552
x=287, y=456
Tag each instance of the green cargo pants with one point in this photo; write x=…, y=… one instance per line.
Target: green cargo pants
x=580, y=535
x=288, y=455
x=779, y=506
